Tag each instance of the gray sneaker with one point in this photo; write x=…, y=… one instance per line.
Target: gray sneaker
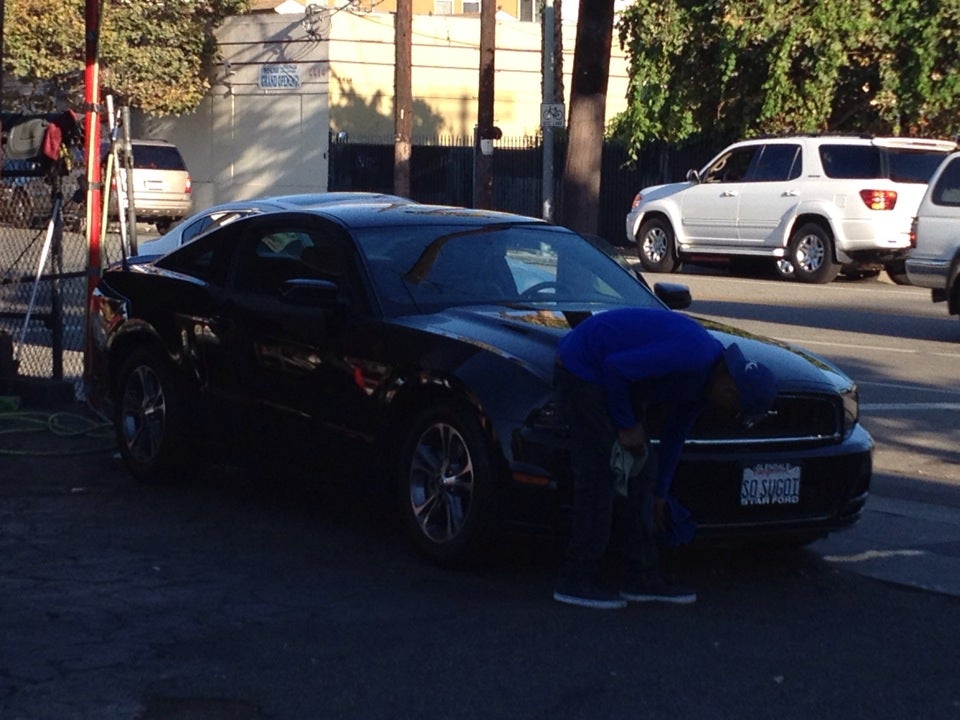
x=660, y=591
x=587, y=593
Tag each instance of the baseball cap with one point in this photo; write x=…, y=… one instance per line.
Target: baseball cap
x=756, y=384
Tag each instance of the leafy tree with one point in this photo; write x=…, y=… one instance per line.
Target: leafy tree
x=154, y=54
x=737, y=68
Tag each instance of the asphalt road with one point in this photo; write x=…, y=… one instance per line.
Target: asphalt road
x=243, y=596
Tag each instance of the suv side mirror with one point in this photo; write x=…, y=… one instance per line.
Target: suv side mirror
x=693, y=175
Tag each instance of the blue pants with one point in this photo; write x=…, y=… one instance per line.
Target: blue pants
x=583, y=406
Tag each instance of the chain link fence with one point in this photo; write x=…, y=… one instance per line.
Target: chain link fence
x=43, y=271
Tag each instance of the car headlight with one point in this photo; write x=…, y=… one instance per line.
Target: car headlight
x=851, y=408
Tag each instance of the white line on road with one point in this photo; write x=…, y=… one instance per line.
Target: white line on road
x=899, y=407
x=907, y=351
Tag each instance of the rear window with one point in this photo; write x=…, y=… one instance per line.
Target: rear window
x=863, y=162
x=157, y=157
x=947, y=189
x=913, y=166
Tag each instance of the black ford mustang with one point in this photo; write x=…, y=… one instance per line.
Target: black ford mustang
x=411, y=347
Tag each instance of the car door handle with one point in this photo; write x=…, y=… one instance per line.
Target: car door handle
x=790, y=193
x=728, y=193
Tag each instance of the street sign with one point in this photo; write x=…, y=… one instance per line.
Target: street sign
x=552, y=115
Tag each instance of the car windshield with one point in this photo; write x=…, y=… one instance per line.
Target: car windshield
x=417, y=269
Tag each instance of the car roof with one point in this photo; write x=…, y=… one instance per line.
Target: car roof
x=385, y=214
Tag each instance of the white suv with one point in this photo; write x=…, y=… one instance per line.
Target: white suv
x=935, y=261
x=813, y=204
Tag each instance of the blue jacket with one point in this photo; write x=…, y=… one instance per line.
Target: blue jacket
x=646, y=355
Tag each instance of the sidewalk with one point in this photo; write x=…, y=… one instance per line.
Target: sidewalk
x=905, y=542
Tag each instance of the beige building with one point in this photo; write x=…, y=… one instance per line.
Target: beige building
x=445, y=56
x=292, y=76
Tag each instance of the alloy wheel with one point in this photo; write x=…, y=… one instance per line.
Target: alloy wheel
x=441, y=482
x=143, y=414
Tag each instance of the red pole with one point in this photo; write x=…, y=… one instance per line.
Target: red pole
x=94, y=179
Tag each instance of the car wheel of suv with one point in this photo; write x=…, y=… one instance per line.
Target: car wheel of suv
x=897, y=272
x=811, y=254
x=151, y=427
x=655, y=246
x=445, y=483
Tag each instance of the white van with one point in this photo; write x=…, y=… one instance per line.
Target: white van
x=934, y=261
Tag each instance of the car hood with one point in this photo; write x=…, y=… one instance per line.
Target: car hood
x=530, y=336
x=655, y=192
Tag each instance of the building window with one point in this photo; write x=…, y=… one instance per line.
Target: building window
x=471, y=7
x=443, y=7
x=526, y=11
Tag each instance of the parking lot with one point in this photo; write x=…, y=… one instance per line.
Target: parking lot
x=268, y=596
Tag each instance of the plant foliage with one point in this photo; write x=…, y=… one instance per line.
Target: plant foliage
x=739, y=68
x=154, y=54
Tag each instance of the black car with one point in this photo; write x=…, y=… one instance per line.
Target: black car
x=411, y=347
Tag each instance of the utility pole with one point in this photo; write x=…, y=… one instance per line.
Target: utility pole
x=551, y=113
x=92, y=138
x=402, y=97
x=486, y=132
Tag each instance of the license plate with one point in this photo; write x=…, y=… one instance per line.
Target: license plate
x=770, y=484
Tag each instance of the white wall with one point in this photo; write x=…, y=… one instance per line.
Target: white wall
x=244, y=140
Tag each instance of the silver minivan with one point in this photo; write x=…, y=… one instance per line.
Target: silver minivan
x=161, y=184
x=934, y=260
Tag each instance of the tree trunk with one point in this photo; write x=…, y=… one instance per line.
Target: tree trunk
x=580, y=195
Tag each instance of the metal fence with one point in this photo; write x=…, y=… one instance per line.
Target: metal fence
x=43, y=259
x=43, y=277
x=444, y=174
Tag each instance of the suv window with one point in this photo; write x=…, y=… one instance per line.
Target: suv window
x=777, y=163
x=912, y=166
x=157, y=157
x=731, y=166
x=947, y=189
x=853, y=162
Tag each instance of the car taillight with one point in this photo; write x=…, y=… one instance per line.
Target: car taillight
x=913, y=233
x=637, y=199
x=188, y=185
x=879, y=199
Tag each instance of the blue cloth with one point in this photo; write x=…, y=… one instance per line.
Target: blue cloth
x=649, y=355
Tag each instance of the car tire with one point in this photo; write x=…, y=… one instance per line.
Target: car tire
x=897, y=272
x=656, y=246
x=163, y=225
x=811, y=254
x=151, y=424
x=445, y=485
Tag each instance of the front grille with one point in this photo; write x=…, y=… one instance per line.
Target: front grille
x=803, y=419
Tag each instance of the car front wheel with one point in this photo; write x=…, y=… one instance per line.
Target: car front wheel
x=655, y=246
x=811, y=254
x=445, y=483
x=152, y=430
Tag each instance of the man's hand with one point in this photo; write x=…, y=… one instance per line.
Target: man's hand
x=633, y=439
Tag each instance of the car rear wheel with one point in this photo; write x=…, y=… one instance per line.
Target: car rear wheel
x=655, y=246
x=811, y=254
x=897, y=272
x=152, y=429
x=445, y=483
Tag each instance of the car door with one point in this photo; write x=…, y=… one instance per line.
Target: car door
x=771, y=194
x=708, y=210
x=287, y=355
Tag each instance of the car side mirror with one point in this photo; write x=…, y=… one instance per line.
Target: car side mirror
x=310, y=293
x=693, y=176
x=674, y=295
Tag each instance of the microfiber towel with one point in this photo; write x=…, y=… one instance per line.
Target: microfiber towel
x=625, y=465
